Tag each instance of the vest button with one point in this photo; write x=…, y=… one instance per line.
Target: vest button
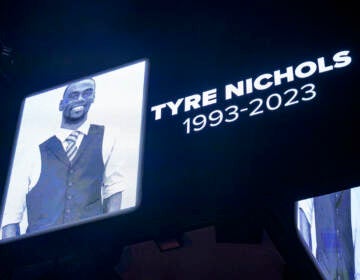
x=69, y=196
x=67, y=211
x=70, y=184
x=71, y=171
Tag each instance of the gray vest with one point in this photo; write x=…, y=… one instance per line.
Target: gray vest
x=67, y=192
x=335, y=249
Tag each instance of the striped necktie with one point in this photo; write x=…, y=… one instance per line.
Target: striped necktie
x=71, y=146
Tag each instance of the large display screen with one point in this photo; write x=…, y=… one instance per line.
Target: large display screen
x=329, y=227
x=77, y=156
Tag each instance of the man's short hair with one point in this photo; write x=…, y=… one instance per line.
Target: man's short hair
x=89, y=80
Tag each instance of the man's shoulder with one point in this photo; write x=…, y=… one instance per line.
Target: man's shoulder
x=44, y=143
x=96, y=128
x=108, y=133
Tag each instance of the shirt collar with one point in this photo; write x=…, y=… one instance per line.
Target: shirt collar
x=62, y=133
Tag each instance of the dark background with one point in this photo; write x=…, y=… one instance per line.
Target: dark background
x=243, y=177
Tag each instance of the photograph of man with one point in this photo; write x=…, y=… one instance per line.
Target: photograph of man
x=76, y=167
x=330, y=226
x=77, y=153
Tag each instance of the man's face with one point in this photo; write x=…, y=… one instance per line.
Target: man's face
x=77, y=100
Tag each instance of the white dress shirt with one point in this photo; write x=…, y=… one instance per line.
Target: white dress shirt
x=307, y=205
x=21, y=184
